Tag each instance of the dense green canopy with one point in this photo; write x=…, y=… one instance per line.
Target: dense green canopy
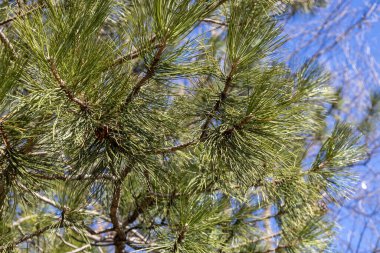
x=163, y=126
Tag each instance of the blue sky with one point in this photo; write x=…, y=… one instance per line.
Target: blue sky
x=354, y=65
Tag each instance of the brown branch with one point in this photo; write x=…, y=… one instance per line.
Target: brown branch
x=180, y=238
x=20, y=3
x=57, y=205
x=223, y=94
x=217, y=105
x=152, y=68
x=27, y=12
x=279, y=247
x=217, y=4
x=71, y=178
x=148, y=201
x=133, y=55
x=27, y=237
x=62, y=84
x=239, y=125
x=213, y=21
x=40, y=197
x=258, y=240
x=4, y=136
x=7, y=43
x=174, y=148
x=149, y=74
x=120, y=238
x=80, y=249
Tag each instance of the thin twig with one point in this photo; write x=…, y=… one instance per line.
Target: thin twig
x=149, y=74
x=62, y=84
x=174, y=148
x=217, y=105
x=258, y=240
x=37, y=7
x=66, y=242
x=213, y=21
x=365, y=16
x=27, y=237
x=40, y=197
x=180, y=238
x=72, y=178
x=132, y=55
x=80, y=249
x=7, y=43
x=4, y=136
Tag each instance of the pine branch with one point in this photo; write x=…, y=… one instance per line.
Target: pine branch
x=148, y=201
x=174, y=148
x=120, y=238
x=66, y=242
x=4, y=136
x=217, y=105
x=57, y=205
x=62, y=84
x=72, y=178
x=7, y=43
x=80, y=249
x=277, y=249
x=213, y=21
x=27, y=237
x=96, y=239
x=239, y=125
x=40, y=197
x=133, y=55
x=243, y=169
x=149, y=74
x=20, y=3
x=180, y=238
x=264, y=238
x=27, y=12
x=236, y=126
x=218, y=4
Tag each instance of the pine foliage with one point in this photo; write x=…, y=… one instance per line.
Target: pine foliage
x=163, y=126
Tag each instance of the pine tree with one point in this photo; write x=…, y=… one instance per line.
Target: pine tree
x=163, y=126
x=305, y=5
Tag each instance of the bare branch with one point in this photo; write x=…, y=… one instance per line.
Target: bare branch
x=324, y=50
x=40, y=197
x=213, y=21
x=80, y=249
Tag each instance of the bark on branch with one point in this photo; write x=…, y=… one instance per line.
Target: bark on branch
x=62, y=84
